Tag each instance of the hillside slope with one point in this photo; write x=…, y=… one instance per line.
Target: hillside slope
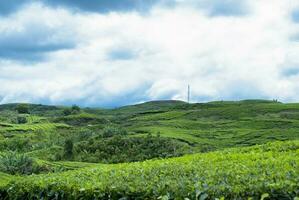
x=70, y=152
x=270, y=170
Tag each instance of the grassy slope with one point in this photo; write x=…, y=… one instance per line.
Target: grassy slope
x=208, y=126
x=222, y=124
x=235, y=173
x=205, y=127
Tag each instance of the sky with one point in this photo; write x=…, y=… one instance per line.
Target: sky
x=109, y=53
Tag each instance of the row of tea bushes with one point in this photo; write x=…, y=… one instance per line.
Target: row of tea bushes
x=267, y=171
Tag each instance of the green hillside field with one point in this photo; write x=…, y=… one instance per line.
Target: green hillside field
x=156, y=150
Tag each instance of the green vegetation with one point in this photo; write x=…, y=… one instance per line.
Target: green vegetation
x=237, y=150
x=111, y=131
x=68, y=149
x=22, y=108
x=123, y=149
x=231, y=174
x=13, y=163
x=73, y=110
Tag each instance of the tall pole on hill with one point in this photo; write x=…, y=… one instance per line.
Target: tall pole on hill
x=188, y=93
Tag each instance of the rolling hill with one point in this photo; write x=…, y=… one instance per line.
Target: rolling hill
x=225, y=149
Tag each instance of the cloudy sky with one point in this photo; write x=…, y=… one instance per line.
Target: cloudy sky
x=117, y=52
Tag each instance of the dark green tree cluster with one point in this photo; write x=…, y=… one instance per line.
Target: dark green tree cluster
x=73, y=110
x=21, y=120
x=22, y=109
x=127, y=149
x=110, y=131
x=68, y=149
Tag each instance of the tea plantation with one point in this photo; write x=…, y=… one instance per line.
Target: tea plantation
x=155, y=150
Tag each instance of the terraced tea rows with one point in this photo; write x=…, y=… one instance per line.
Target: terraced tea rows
x=268, y=170
x=64, y=153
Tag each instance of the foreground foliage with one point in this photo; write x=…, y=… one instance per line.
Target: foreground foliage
x=269, y=170
x=19, y=164
x=127, y=149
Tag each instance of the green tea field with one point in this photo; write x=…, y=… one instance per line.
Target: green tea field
x=156, y=150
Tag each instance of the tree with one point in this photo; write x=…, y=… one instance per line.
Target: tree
x=22, y=108
x=111, y=131
x=68, y=149
x=21, y=120
x=75, y=109
x=67, y=112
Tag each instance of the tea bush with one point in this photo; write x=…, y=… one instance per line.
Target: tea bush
x=270, y=172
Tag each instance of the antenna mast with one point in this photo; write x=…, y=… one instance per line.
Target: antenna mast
x=188, y=93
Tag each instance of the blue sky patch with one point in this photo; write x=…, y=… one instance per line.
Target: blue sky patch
x=293, y=71
x=227, y=8
x=295, y=16
x=122, y=54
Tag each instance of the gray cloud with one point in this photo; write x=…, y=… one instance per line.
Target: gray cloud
x=104, y=6
x=157, y=55
x=99, y=6
x=213, y=8
x=32, y=42
x=7, y=7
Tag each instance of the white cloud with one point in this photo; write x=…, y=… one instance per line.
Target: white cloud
x=225, y=57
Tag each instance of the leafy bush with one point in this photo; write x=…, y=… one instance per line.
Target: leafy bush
x=254, y=173
x=21, y=120
x=21, y=164
x=13, y=163
x=68, y=149
x=16, y=144
x=76, y=109
x=71, y=111
x=111, y=131
x=128, y=149
x=81, y=119
x=22, y=108
x=67, y=112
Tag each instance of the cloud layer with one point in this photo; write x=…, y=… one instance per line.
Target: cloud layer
x=108, y=53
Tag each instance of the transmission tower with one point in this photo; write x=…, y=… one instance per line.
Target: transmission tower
x=188, y=93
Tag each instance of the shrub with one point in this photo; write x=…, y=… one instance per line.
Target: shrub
x=21, y=120
x=22, y=109
x=111, y=131
x=16, y=144
x=68, y=149
x=13, y=163
x=73, y=110
x=67, y=112
x=76, y=109
x=118, y=149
